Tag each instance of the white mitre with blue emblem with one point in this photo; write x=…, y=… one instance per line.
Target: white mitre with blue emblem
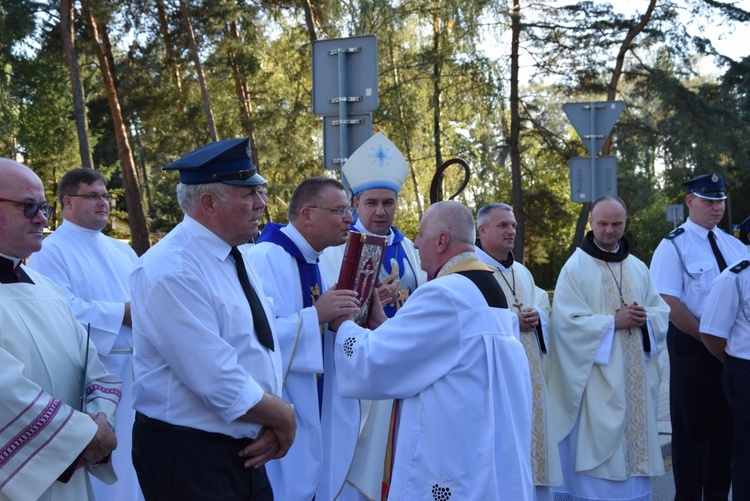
x=376, y=164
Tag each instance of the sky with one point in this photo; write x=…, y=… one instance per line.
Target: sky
x=729, y=40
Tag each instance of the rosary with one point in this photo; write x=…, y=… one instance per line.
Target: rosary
x=512, y=288
x=618, y=284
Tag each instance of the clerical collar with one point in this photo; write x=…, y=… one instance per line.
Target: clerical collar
x=589, y=247
x=8, y=266
x=361, y=228
x=487, y=258
x=617, y=249
x=310, y=254
x=14, y=260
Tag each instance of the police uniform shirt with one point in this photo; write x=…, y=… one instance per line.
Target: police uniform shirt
x=727, y=313
x=690, y=275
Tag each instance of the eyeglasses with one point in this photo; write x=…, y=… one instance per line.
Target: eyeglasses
x=95, y=196
x=31, y=209
x=340, y=211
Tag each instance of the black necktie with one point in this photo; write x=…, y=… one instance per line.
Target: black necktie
x=260, y=321
x=717, y=252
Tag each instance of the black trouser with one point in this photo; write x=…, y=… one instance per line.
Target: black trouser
x=736, y=380
x=701, y=421
x=179, y=463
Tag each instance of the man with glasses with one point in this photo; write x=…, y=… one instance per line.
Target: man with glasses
x=58, y=401
x=286, y=258
x=92, y=269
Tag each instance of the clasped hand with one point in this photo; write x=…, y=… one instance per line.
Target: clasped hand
x=528, y=319
x=630, y=316
x=104, y=441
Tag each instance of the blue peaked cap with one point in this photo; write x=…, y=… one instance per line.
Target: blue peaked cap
x=710, y=186
x=227, y=161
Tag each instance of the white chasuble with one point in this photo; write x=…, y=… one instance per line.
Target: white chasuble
x=42, y=354
x=602, y=378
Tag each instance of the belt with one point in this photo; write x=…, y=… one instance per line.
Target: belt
x=217, y=437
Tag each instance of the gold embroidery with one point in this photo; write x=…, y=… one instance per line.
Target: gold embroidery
x=539, y=439
x=634, y=439
x=314, y=293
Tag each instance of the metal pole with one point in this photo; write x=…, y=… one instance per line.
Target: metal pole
x=343, y=135
x=593, y=151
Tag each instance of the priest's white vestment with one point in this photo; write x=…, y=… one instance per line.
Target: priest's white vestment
x=320, y=457
x=604, y=386
x=464, y=421
x=521, y=291
x=42, y=354
x=365, y=479
x=92, y=269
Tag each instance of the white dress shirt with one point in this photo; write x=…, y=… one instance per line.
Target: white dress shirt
x=197, y=360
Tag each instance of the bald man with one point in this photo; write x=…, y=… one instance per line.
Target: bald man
x=58, y=401
x=609, y=326
x=450, y=355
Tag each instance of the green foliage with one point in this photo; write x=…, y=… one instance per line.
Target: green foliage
x=444, y=93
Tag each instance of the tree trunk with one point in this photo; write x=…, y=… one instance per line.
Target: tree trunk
x=583, y=216
x=436, y=96
x=310, y=20
x=170, y=59
x=243, y=92
x=199, y=70
x=138, y=228
x=79, y=102
x=515, y=133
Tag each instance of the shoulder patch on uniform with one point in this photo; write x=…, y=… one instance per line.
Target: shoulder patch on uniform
x=740, y=266
x=674, y=233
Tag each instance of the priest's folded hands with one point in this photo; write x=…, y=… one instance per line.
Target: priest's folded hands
x=528, y=319
x=630, y=316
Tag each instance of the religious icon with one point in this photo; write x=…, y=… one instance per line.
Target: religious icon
x=363, y=256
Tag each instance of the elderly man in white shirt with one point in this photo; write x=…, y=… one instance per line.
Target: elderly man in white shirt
x=207, y=362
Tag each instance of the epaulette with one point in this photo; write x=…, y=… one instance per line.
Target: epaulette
x=740, y=266
x=674, y=233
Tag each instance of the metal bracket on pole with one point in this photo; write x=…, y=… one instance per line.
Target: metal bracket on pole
x=349, y=121
x=350, y=99
x=345, y=89
x=335, y=52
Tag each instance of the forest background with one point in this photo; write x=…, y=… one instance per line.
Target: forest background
x=128, y=86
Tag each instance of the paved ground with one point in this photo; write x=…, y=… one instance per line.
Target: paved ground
x=664, y=486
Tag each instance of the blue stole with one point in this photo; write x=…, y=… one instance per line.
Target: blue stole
x=394, y=251
x=309, y=275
